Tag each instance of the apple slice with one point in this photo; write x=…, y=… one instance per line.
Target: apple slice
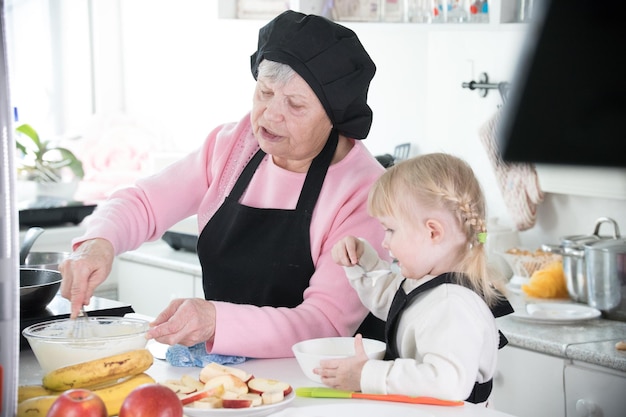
x=208, y=402
x=272, y=397
x=215, y=369
x=236, y=403
x=229, y=382
x=178, y=387
x=205, y=393
x=255, y=398
x=261, y=385
x=192, y=382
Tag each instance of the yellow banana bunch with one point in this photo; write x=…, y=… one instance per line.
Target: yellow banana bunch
x=99, y=371
x=112, y=395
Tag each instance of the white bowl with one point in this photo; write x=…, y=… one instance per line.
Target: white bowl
x=55, y=346
x=310, y=352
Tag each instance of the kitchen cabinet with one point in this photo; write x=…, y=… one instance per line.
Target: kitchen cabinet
x=150, y=288
x=529, y=384
x=583, y=181
x=592, y=391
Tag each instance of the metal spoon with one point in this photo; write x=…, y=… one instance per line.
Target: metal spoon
x=29, y=239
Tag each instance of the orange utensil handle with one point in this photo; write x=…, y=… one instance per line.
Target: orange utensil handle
x=407, y=399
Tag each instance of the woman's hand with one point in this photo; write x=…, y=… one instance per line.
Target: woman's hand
x=344, y=374
x=185, y=321
x=347, y=251
x=86, y=268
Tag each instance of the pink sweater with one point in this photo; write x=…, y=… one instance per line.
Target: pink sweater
x=198, y=184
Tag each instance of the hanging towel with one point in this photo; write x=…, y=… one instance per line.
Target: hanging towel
x=196, y=355
x=518, y=182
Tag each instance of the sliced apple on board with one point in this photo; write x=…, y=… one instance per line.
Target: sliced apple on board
x=215, y=369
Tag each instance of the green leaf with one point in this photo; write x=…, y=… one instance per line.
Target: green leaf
x=68, y=159
x=49, y=160
x=27, y=130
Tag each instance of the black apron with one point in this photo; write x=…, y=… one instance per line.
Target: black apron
x=262, y=256
x=401, y=300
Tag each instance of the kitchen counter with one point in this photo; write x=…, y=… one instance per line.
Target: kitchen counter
x=591, y=341
x=288, y=370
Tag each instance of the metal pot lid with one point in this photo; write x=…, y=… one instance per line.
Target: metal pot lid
x=578, y=241
x=608, y=245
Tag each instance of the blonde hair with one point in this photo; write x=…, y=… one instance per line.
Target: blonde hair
x=442, y=181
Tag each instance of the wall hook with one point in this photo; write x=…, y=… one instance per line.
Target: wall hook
x=483, y=86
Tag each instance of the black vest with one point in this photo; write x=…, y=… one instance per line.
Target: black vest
x=401, y=300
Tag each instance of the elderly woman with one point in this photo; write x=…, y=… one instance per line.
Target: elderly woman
x=272, y=194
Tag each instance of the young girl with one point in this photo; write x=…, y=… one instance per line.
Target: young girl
x=442, y=338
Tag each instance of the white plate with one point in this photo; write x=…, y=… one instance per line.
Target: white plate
x=354, y=409
x=261, y=410
x=557, y=313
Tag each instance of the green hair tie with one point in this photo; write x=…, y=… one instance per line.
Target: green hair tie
x=482, y=237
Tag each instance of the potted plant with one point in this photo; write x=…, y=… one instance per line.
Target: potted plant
x=56, y=170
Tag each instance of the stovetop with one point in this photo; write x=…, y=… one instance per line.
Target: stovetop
x=50, y=211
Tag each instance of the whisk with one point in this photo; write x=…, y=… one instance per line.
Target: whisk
x=80, y=324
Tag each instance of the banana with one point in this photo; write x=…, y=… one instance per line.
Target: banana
x=25, y=392
x=36, y=406
x=99, y=371
x=113, y=397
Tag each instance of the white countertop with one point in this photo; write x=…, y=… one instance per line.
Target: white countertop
x=288, y=370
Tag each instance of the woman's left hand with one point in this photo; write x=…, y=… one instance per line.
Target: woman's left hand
x=344, y=374
x=185, y=321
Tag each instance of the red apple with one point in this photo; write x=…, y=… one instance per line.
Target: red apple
x=78, y=402
x=151, y=400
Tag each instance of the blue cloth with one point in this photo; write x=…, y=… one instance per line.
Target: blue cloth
x=196, y=355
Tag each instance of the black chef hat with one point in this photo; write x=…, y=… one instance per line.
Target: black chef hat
x=331, y=60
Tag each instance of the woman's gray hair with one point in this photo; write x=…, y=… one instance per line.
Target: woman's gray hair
x=275, y=71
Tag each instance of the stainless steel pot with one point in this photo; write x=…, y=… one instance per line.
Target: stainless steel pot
x=44, y=260
x=606, y=274
x=572, y=251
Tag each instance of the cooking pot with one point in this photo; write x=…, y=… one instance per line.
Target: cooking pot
x=571, y=249
x=37, y=288
x=606, y=273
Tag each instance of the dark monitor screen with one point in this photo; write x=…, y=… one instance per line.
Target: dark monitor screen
x=567, y=103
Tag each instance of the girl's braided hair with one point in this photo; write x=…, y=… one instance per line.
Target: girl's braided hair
x=440, y=180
